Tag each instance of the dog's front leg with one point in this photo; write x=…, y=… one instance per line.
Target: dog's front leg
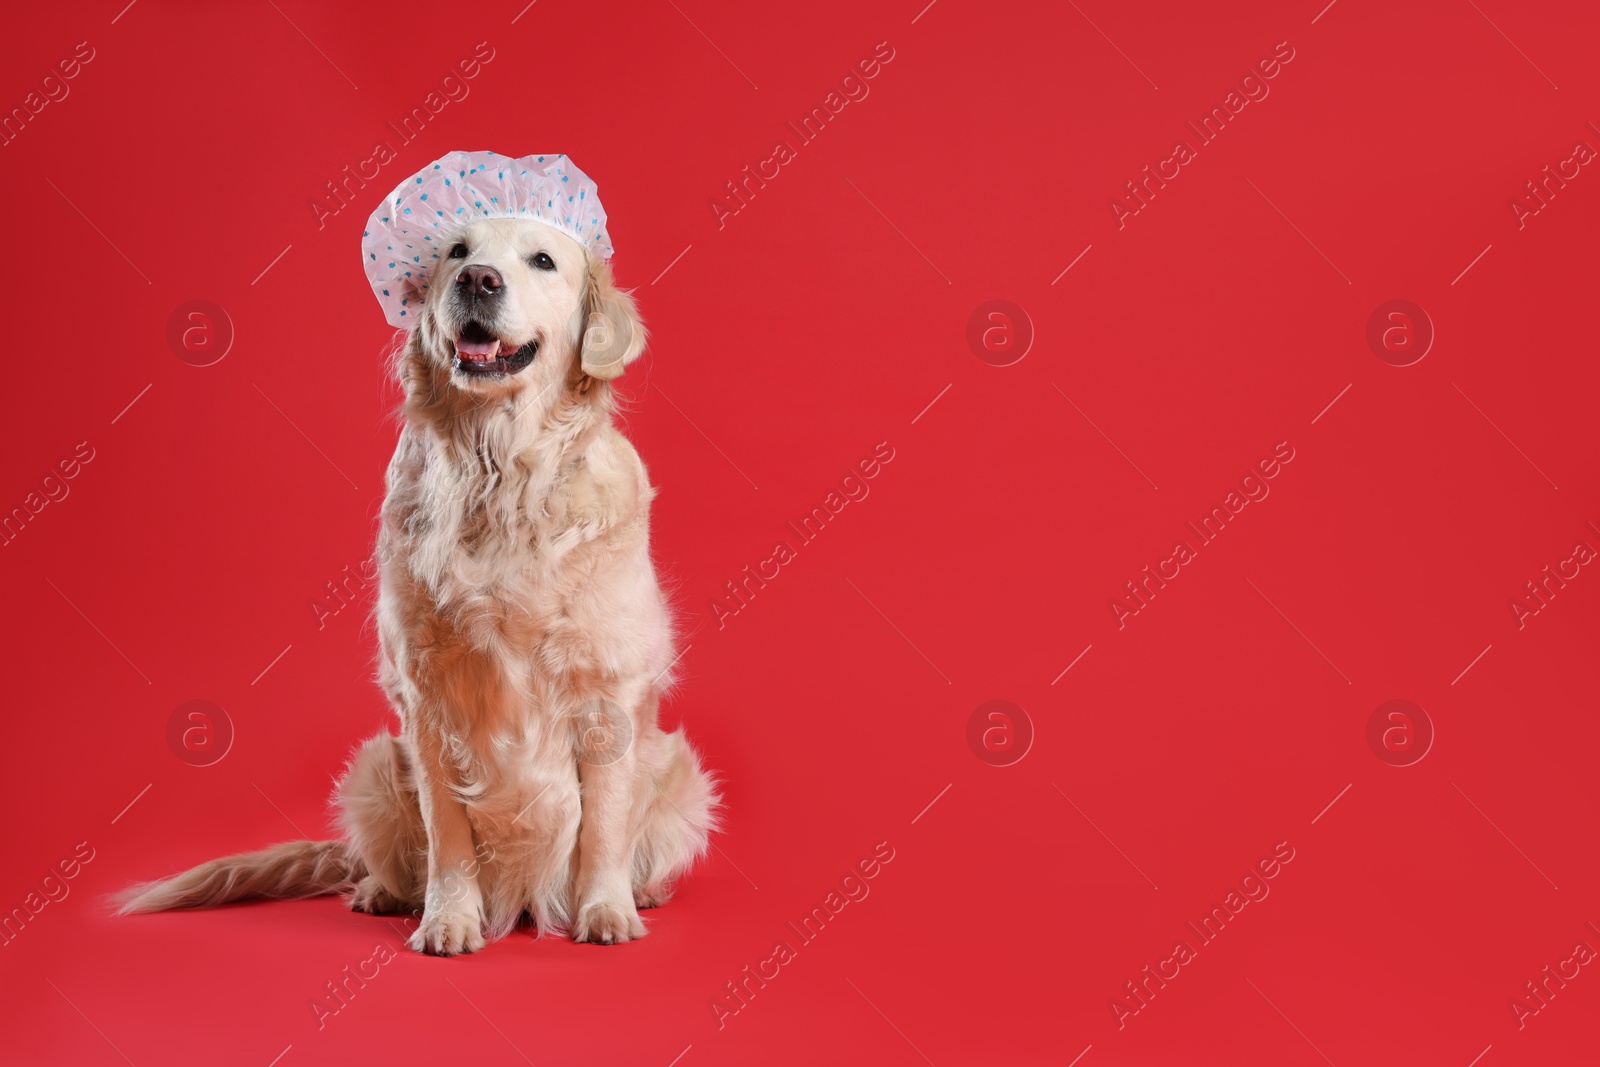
x=452, y=915
x=607, y=766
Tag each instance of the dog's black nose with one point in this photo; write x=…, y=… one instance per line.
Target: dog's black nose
x=478, y=278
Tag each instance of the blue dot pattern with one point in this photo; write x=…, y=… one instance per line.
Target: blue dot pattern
x=407, y=232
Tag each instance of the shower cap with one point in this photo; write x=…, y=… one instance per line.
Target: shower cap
x=414, y=224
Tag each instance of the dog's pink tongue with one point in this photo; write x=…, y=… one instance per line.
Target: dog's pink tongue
x=477, y=351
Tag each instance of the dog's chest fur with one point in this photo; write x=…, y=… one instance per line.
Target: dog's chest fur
x=498, y=547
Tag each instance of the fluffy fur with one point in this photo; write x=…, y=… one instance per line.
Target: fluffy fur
x=524, y=639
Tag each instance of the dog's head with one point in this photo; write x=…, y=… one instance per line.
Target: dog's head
x=514, y=294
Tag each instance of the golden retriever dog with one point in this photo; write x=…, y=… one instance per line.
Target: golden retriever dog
x=524, y=639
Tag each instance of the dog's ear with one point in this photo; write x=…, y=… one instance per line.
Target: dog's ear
x=613, y=333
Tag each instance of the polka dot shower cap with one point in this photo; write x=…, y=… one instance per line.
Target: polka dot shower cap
x=411, y=230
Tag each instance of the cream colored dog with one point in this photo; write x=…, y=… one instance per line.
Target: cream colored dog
x=524, y=638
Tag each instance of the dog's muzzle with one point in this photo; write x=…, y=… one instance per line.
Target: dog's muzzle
x=480, y=352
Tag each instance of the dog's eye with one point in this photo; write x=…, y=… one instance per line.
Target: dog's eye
x=543, y=261
x=459, y=251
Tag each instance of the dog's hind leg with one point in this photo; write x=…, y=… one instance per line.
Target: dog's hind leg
x=681, y=812
x=378, y=808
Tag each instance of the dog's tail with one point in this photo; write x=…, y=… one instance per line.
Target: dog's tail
x=289, y=871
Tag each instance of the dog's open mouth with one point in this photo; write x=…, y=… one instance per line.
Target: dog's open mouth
x=479, y=353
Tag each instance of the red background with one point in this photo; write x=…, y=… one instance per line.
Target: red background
x=820, y=320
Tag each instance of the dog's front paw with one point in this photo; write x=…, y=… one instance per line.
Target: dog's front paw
x=606, y=923
x=448, y=934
